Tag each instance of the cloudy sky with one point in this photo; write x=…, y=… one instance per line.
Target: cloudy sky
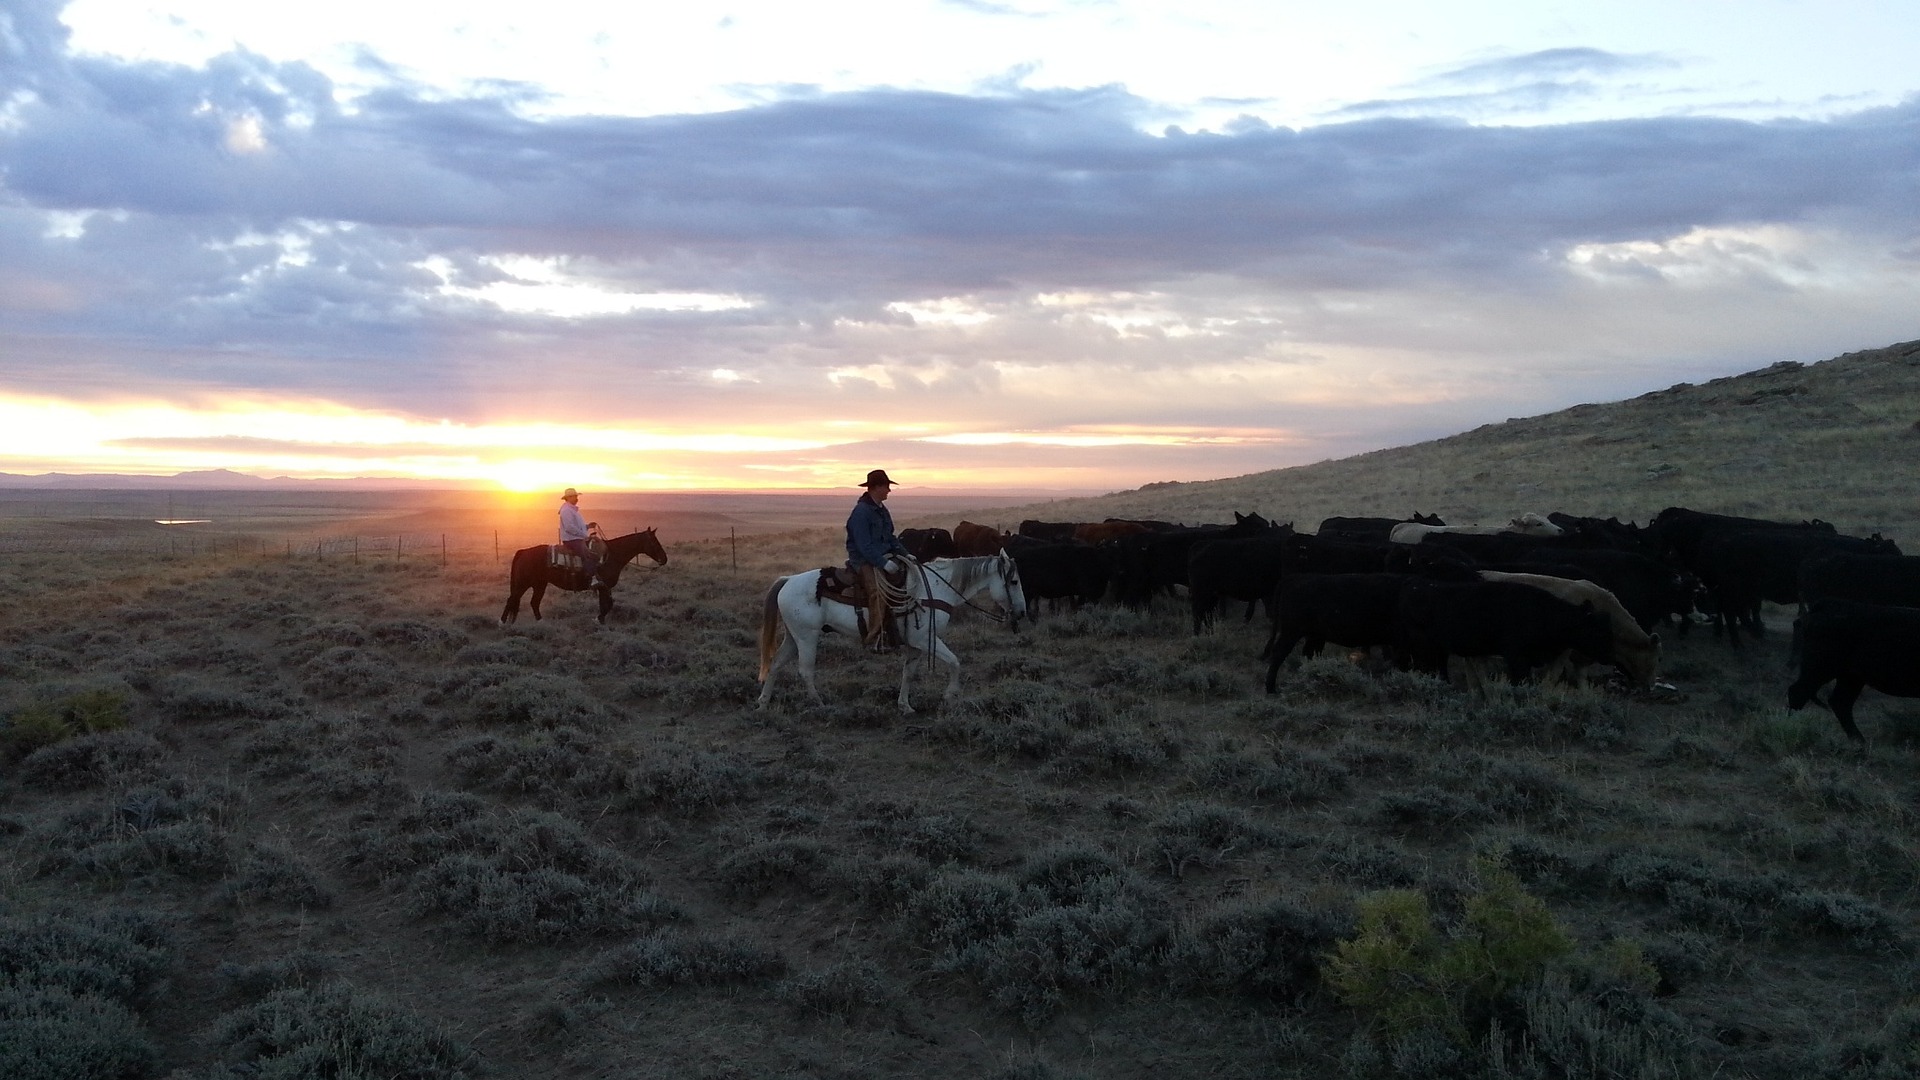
x=1032, y=244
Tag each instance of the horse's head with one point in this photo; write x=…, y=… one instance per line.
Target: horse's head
x=1009, y=593
x=622, y=550
x=650, y=546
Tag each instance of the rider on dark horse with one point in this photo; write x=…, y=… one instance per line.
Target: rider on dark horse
x=870, y=542
x=576, y=535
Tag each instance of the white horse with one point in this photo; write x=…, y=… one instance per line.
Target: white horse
x=934, y=589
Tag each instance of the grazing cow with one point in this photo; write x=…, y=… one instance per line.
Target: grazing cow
x=1855, y=646
x=1873, y=579
x=1368, y=528
x=1411, y=532
x=1057, y=572
x=1742, y=567
x=1519, y=623
x=973, y=540
x=1057, y=531
x=1356, y=610
x=1099, y=532
x=926, y=544
x=1635, y=652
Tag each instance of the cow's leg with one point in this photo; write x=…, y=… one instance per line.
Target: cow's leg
x=1846, y=691
x=1277, y=649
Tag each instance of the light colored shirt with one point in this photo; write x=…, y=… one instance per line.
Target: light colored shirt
x=572, y=525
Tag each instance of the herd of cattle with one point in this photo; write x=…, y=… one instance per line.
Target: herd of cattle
x=1541, y=593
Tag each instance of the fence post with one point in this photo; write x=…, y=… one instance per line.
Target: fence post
x=356, y=551
x=443, y=549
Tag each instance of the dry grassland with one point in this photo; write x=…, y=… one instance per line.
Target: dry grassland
x=273, y=817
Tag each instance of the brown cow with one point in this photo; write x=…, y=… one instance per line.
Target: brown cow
x=1099, y=532
x=972, y=540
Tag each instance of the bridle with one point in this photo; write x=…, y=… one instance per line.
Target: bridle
x=996, y=616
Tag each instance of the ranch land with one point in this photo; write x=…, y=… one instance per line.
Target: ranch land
x=271, y=810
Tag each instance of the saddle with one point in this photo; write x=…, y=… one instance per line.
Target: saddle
x=841, y=584
x=567, y=567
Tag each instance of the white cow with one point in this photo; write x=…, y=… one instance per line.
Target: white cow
x=1412, y=532
x=1635, y=651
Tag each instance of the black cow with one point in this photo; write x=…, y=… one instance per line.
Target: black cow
x=1519, y=623
x=1057, y=531
x=1339, y=555
x=1149, y=563
x=1234, y=568
x=1606, y=532
x=1073, y=572
x=1368, y=528
x=1855, y=646
x=1873, y=579
x=1357, y=610
x=926, y=544
x=1678, y=531
x=1742, y=567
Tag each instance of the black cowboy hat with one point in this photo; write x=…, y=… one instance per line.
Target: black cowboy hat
x=878, y=476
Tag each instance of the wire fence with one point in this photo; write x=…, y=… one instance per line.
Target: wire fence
x=412, y=546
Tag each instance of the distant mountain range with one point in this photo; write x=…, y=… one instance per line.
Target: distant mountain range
x=218, y=479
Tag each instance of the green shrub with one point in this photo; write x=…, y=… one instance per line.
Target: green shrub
x=335, y=1030
x=1401, y=970
x=47, y=723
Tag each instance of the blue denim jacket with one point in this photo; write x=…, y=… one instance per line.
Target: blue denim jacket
x=870, y=536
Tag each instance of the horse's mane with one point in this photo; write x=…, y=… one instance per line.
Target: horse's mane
x=963, y=574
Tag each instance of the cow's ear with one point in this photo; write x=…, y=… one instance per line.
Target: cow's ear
x=1655, y=639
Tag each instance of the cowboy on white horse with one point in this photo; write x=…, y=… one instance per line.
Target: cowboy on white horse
x=871, y=543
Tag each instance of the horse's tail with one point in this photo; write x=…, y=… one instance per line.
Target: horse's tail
x=770, y=626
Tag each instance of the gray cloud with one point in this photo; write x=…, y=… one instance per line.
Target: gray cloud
x=298, y=266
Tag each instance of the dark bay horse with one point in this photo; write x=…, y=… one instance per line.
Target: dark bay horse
x=530, y=571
